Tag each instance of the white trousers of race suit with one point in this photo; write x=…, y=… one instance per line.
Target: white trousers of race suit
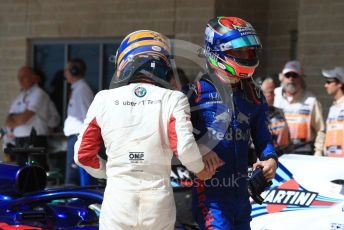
x=152, y=209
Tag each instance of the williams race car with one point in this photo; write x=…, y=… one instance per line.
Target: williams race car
x=307, y=193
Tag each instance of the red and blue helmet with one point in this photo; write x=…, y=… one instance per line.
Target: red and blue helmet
x=143, y=51
x=224, y=37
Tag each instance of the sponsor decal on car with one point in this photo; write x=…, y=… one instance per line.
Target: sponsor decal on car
x=286, y=194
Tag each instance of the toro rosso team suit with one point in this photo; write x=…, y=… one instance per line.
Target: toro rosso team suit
x=141, y=125
x=222, y=202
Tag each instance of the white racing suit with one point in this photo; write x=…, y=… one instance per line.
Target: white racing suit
x=141, y=125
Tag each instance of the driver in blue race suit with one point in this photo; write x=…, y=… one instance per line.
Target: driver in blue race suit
x=227, y=110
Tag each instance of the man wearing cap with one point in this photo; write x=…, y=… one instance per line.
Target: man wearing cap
x=334, y=85
x=302, y=111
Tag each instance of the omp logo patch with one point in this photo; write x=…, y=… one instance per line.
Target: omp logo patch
x=135, y=157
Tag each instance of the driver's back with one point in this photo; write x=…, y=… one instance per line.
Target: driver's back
x=141, y=125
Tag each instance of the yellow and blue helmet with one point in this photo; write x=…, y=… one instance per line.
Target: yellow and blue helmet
x=143, y=53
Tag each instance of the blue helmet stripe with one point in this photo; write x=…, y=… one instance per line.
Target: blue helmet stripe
x=143, y=49
x=234, y=34
x=125, y=43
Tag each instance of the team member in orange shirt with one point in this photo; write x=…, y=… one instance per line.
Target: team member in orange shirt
x=302, y=110
x=334, y=142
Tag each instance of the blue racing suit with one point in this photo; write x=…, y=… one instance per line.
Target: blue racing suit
x=222, y=202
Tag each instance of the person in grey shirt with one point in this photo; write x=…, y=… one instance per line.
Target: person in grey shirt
x=80, y=98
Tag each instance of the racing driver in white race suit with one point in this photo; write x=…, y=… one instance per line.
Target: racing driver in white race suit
x=142, y=123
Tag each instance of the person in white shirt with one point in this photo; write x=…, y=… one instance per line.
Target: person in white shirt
x=80, y=99
x=54, y=116
x=29, y=114
x=334, y=141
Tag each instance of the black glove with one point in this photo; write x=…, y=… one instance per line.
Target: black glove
x=257, y=184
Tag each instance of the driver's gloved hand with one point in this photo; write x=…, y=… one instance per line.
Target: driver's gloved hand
x=257, y=184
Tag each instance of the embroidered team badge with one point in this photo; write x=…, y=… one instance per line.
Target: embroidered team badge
x=140, y=91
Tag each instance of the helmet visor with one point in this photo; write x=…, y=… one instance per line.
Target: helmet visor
x=246, y=56
x=246, y=41
x=248, y=53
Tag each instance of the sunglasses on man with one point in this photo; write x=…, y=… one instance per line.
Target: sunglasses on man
x=330, y=81
x=291, y=75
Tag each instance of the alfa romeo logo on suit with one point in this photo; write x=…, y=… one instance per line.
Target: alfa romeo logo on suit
x=140, y=91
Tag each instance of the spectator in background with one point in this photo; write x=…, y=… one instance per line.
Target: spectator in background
x=54, y=116
x=29, y=114
x=334, y=141
x=277, y=122
x=56, y=86
x=302, y=111
x=80, y=99
x=39, y=77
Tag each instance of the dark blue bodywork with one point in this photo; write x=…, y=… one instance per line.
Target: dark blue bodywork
x=25, y=201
